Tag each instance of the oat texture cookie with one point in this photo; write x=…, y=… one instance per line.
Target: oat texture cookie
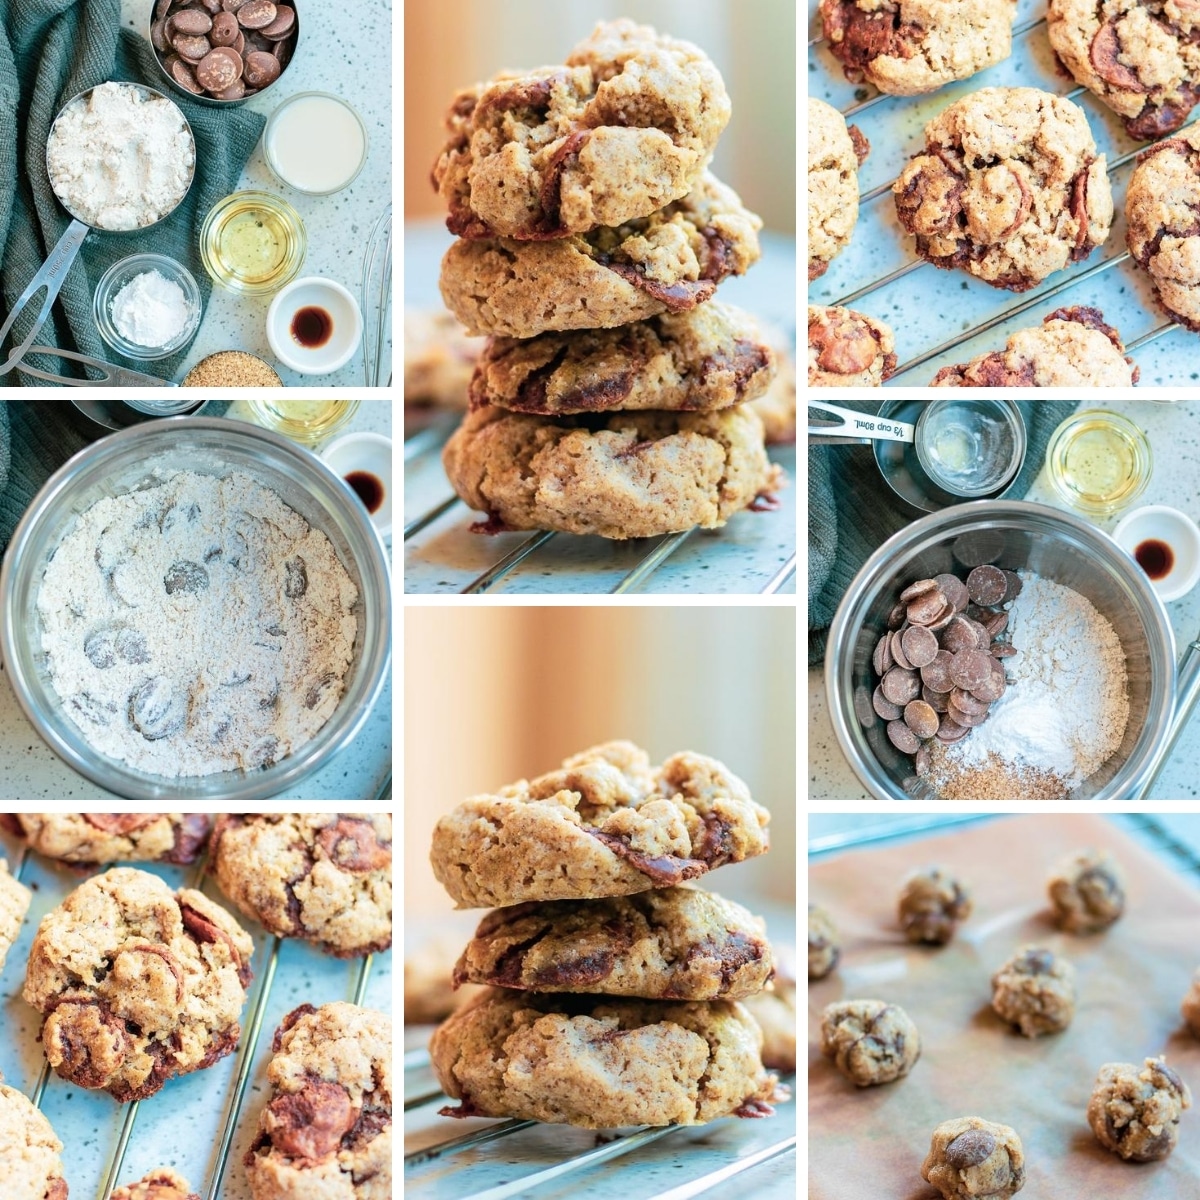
x=162, y=1184
x=1162, y=212
x=776, y=407
x=824, y=944
x=1073, y=347
x=621, y=129
x=439, y=359
x=669, y=261
x=597, y=1062
x=1087, y=890
x=848, y=348
x=1190, y=1009
x=1134, y=1112
x=606, y=823
x=326, y=1132
x=869, y=1041
x=905, y=47
x=323, y=877
x=1035, y=991
x=775, y=1012
x=973, y=1159
x=29, y=1151
x=707, y=358
x=14, y=904
x=1141, y=57
x=618, y=475
x=670, y=944
x=137, y=983
x=90, y=839
x=834, y=155
x=932, y=903
x=1009, y=187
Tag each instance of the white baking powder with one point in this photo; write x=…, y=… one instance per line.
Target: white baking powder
x=150, y=310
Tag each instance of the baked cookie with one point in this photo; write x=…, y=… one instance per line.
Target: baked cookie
x=1072, y=347
x=1135, y=1113
x=29, y=1150
x=970, y=1157
x=932, y=903
x=1009, y=188
x=669, y=261
x=439, y=359
x=162, y=1184
x=618, y=475
x=137, y=983
x=1087, y=890
x=824, y=944
x=597, y=1063
x=848, y=348
x=1190, y=1009
x=775, y=1012
x=1162, y=212
x=869, y=1041
x=429, y=992
x=90, y=839
x=327, y=1130
x=834, y=155
x=605, y=824
x=323, y=877
x=622, y=129
x=1141, y=57
x=1035, y=991
x=776, y=407
x=671, y=944
x=15, y=899
x=706, y=358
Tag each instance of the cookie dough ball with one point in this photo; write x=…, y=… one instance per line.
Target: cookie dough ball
x=848, y=348
x=932, y=902
x=1087, y=890
x=824, y=943
x=970, y=1157
x=834, y=155
x=1136, y=1113
x=869, y=1041
x=1035, y=991
x=1190, y=1008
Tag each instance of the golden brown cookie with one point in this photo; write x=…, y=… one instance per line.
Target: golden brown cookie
x=29, y=1151
x=848, y=348
x=162, y=1184
x=90, y=839
x=834, y=155
x=776, y=407
x=14, y=904
x=775, y=1012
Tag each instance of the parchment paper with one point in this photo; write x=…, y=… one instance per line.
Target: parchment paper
x=869, y=1143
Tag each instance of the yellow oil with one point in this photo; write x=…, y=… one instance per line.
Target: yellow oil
x=1099, y=462
x=253, y=242
x=305, y=421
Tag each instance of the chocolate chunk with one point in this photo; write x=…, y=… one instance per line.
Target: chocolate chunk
x=193, y=22
x=665, y=870
x=920, y=646
x=350, y=843
x=204, y=930
x=884, y=707
x=262, y=69
x=1105, y=55
x=120, y=823
x=296, y=581
x=256, y=14
x=219, y=70
x=902, y=737
x=156, y=709
x=284, y=23
x=190, y=835
x=970, y=1149
x=320, y=689
x=187, y=577
x=310, y=1124
x=986, y=585
x=921, y=718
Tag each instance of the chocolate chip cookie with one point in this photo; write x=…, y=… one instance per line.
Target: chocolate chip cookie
x=14, y=904
x=621, y=129
x=834, y=155
x=322, y=877
x=1073, y=347
x=824, y=943
x=617, y=475
x=1135, y=1112
x=669, y=261
x=707, y=358
x=137, y=983
x=906, y=47
x=775, y=1012
x=932, y=902
x=90, y=839
x=1009, y=188
x=970, y=1157
x=869, y=1041
x=162, y=1184
x=672, y=944
x=606, y=823
x=327, y=1129
x=1162, y=211
x=596, y=1063
x=29, y=1150
x=439, y=359
x=1087, y=890
x=776, y=407
x=1141, y=57
x=1035, y=991
x=848, y=348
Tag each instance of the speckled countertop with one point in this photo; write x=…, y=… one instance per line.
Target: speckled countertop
x=1175, y=443
x=350, y=56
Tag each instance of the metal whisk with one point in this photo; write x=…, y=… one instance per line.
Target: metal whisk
x=377, y=297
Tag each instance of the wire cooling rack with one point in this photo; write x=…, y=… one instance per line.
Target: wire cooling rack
x=200, y=1124
x=945, y=317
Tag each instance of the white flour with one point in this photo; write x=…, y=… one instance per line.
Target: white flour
x=150, y=310
x=198, y=626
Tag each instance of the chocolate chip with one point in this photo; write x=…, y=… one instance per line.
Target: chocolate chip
x=1105, y=54
x=921, y=718
x=310, y=1124
x=256, y=14
x=923, y=587
x=235, y=91
x=190, y=49
x=187, y=577
x=900, y=686
x=156, y=709
x=284, y=23
x=295, y=583
x=902, y=737
x=351, y=844
x=882, y=659
x=1013, y=588
x=954, y=590
x=262, y=68
x=920, y=646
x=192, y=21
x=884, y=707
x=927, y=608
x=219, y=70
x=224, y=29
x=986, y=585
x=937, y=674
x=938, y=701
x=896, y=645
x=970, y=1149
x=896, y=616
x=158, y=37
x=183, y=75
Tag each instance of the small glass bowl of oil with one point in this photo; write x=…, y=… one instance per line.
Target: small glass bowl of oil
x=305, y=421
x=253, y=243
x=1099, y=462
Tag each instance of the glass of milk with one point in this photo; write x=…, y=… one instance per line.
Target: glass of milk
x=316, y=143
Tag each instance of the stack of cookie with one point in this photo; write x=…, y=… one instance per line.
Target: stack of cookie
x=610, y=396
x=613, y=989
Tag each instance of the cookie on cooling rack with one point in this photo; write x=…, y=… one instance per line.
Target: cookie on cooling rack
x=327, y=1129
x=1073, y=347
x=90, y=839
x=835, y=153
x=33, y=1169
x=14, y=904
x=160, y=1184
x=848, y=348
x=322, y=877
x=597, y=1062
x=606, y=823
x=775, y=1012
x=776, y=407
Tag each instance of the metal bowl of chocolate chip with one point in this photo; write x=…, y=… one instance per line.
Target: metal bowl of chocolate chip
x=196, y=609
x=1001, y=650
x=222, y=52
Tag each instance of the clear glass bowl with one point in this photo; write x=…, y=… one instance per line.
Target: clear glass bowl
x=253, y=243
x=1099, y=462
x=117, y=276
x=287, y=110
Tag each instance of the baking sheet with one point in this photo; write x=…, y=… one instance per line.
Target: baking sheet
x=870, y=1143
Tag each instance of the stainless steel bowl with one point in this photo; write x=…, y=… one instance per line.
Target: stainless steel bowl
x=1057, y=546
x=125, y=461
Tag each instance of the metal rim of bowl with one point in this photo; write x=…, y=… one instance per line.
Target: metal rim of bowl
x=261, y=784
x=937, y=528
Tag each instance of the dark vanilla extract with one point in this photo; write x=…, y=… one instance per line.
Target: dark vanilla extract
x=312, y=327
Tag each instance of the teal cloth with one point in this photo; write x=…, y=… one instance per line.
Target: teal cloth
x=51, y=50
x=852, y=511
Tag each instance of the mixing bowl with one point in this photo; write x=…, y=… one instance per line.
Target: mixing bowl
x=1014, y=535
x=128, y=460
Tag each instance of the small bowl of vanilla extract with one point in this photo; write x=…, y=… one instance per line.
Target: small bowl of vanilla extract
x=1165, y=543
x=364, y=462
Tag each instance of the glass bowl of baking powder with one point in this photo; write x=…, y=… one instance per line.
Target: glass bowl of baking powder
x=147, y=306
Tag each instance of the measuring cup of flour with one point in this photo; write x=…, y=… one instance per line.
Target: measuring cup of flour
x=120, y=157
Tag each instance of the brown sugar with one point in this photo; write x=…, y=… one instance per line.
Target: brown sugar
x=231, y=368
